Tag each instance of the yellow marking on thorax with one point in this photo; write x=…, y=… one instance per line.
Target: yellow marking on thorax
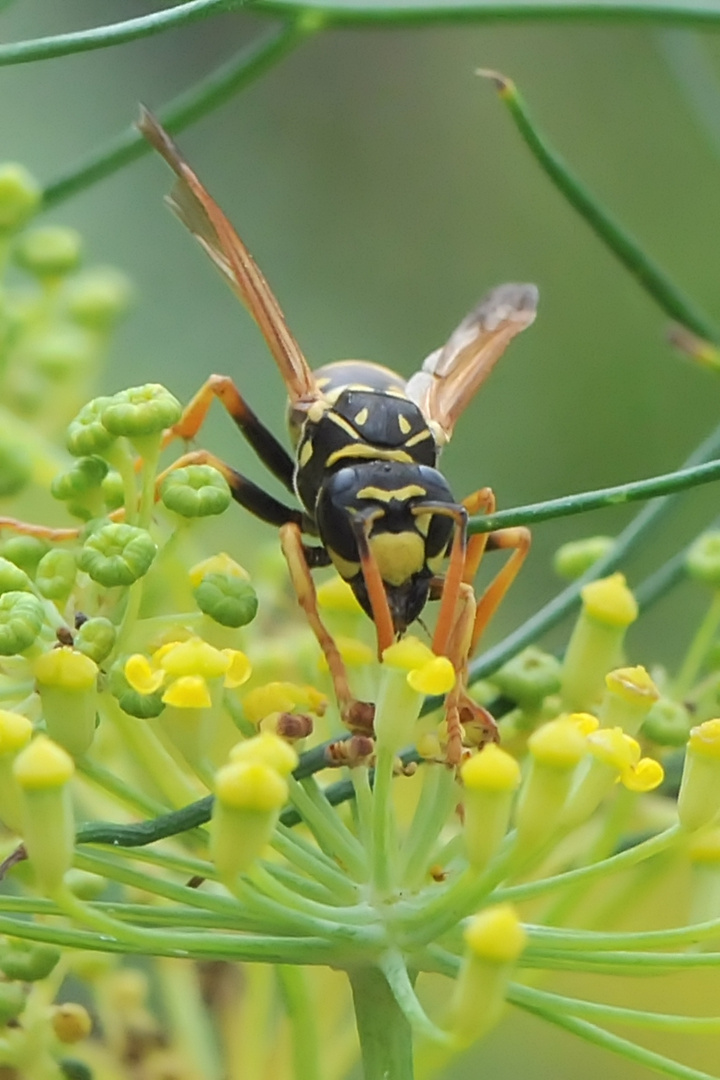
x=362, y=450
x=361, y=417
x=383, y=495
x=398, y=555
x=424, y=434
x=404, y=424
x=341, y=422
x=346, y=569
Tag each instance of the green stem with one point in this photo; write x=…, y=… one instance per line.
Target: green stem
x=525, y=995
x=699, y=647
x=627, y=1049
x=423, y=12
x=100, y=37
x=302, y=1014
x=624, y=246
x=217, y=87
x=395, y=970
x=383, y=821
x=384, y=1031
x=566, y=505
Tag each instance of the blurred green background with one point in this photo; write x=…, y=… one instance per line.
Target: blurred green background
x=383, y=188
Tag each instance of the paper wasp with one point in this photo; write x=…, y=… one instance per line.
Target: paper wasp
x=365, y=467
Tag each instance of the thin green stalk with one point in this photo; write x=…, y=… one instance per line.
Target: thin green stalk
x=699, y=648
x=383, y=821
x=219, y=86
x=423, y=12
x=674, y=937
x=332, y=835
x=393, y=967
x=582, y=503
x=309, y=858
x=101, y=37
x=627, y=1049
x=302, y=1014
x=567, y=600
x=544, y=999
x=438, y=798
x=384, y=1031
x=620, y=242
x=110, y=783
x=620, y=963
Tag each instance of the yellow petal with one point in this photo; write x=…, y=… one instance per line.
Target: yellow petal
x=188, y=692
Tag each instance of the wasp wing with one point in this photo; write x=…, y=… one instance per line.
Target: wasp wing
x=451, y=375
x=199, y=212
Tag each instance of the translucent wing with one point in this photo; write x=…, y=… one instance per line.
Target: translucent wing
x=451, y=375
x=203, y=217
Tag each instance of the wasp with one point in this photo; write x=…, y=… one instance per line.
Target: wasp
x=366, y=447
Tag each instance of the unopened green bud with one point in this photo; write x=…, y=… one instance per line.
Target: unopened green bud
x=20, y=196
x=703, y=559
x=195, y=491
x=25, y=551
x=131, y=701
x=96, y=638
x=574, y=558
x=48, y=251
x=12, y=994
x=12, y=578
x=59, y=353
x=21, y=620
x=117, y=554
x=667, y=723
x=56, y=574
x=141, y=411
x=97, y=298
x=230, y=601
x=699, y=797
x=28, y=962
x=70, y=1022
x=87, y=434
x=15, y=468
x=67, y=683
x=529, y=677
x=85, y=474
x=113, y=490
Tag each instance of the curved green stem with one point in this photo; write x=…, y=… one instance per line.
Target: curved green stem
x=100, y=37
x=620, y=242
x=544, y=999
x=246, y=65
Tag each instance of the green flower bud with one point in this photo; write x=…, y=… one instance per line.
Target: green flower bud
x=75, y=1070
x=84, y=475
x=574, y=558
x=230, y=601
x=48, y=251
x=25, y=551
x=96, y=638
x=87, y=434
x=20, y=196
x=97, y=298
x=21, y=620
x=141, y=410
x=195, y=491
x=117, y=554
x=59, y=353
x=12, y=578
x=28, y=962
x=529, y=677
x=131, y=701
x=703, y=559
x=113, y=490
x=12, y=995
x=70, y=1022
x=667, y=723
x=56, y=574
x=15, y=468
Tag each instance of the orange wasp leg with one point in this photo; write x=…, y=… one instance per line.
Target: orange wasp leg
x=375, y=588
x=43, y=532
x=357, y=715
x=518, y=541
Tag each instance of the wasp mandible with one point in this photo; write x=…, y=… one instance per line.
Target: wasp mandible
x=365, y=472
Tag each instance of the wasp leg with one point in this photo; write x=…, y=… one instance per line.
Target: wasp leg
x=374, y=584
x=43, y=532
x=272, y=454
x=243, y=491
x=357, y=715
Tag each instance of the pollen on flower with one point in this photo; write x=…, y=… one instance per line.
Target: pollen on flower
x=280, y=697
x=269, y=749
x=633, y=684
x=192, y=657
x=609, y=601
x=251, y=785
x=492, y=769
x=437, y=676
x=496, y=934
x=645, y=776
x=141, y=676
x=216, y=564
x=705, y=739
x=188, y=692
x=408, y=654
x=43, y=764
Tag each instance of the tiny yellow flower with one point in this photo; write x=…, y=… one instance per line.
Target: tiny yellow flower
x=336, y=595
x=239, y=669
x=280, y=697
x=633, y=684
x=141, y=676
x=251, y=785
x=609, y=601
x=559, y=744
x=492, y=769
x=192, y=657
x=67, y=669
x=496, y=934
x=705, y=739
x=645, y=776
x=43, y=764
x=188, y=692
x=426, y=672
x=15, y=731
x=355, y=653
x=268, y=748
x=217, y=564
x=585, y=722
